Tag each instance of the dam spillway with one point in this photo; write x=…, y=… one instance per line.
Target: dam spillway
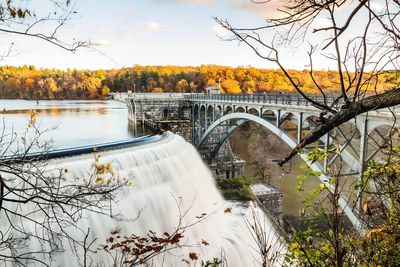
x=162, y=173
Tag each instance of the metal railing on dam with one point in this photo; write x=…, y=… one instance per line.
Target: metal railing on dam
x=75, y=151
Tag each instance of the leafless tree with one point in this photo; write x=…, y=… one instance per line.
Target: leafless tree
x=270, y=244
x=135, y=250
x=40, y=201
x=23, y=18
x=361, y=37
x=262, y=157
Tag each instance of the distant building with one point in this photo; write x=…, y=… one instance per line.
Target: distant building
x=213, y=90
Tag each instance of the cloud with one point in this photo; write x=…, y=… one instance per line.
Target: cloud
x=152, y=26
x=131, y=12
x=265, y=10
x=375, y=6
x=105, y=31
x=268, y=9
x=320, y=22
x=191, y=2
x=100, y=43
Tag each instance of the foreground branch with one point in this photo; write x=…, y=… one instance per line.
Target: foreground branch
x=387, y=99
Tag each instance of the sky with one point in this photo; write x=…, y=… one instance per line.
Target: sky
x=150, y=32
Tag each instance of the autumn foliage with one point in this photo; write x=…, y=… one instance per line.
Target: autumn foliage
x=31, y=83
x=137, y=250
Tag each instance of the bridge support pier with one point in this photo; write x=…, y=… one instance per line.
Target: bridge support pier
x=363, y=128
x=170, y=112
x=299, y=127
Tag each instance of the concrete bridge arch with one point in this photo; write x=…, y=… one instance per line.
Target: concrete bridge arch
x=240, y=118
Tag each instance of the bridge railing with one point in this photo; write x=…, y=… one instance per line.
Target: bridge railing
x=284, y=99
x=156, y=96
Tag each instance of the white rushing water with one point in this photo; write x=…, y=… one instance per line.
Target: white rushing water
x=163, y=172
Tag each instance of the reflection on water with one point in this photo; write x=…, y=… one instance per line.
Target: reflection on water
x=15, y=104
x=70, y=122
x=55, y=111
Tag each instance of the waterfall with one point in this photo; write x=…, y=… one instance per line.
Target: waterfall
x=163, y=173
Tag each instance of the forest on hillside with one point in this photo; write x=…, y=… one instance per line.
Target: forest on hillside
x=30, y=83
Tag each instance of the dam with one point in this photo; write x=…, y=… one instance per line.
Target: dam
x=170, y=185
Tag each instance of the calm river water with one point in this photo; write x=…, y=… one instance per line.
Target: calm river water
x=69, y=123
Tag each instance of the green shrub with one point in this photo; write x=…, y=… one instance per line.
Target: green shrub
x=235, y=188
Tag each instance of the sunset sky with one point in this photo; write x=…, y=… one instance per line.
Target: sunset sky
x=152, y=32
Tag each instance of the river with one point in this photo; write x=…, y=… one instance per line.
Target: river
x=69, y=123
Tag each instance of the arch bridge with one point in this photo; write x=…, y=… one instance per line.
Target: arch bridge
x=291, y=117
x=214, y=117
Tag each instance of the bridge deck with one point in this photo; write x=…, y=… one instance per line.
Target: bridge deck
x=281, y=101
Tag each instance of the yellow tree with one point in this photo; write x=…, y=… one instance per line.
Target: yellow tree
x=157, y=90
x=249, y=85
x=51, y=87
x=105, y=90
x=29, y=86
x=231, y=87
x=193, y=87
x=182, y=86
x=91, y=85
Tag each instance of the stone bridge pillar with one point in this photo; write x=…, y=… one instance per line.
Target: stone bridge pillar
x=168, y=112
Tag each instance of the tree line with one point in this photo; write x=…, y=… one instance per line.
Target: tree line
x=30, y=83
